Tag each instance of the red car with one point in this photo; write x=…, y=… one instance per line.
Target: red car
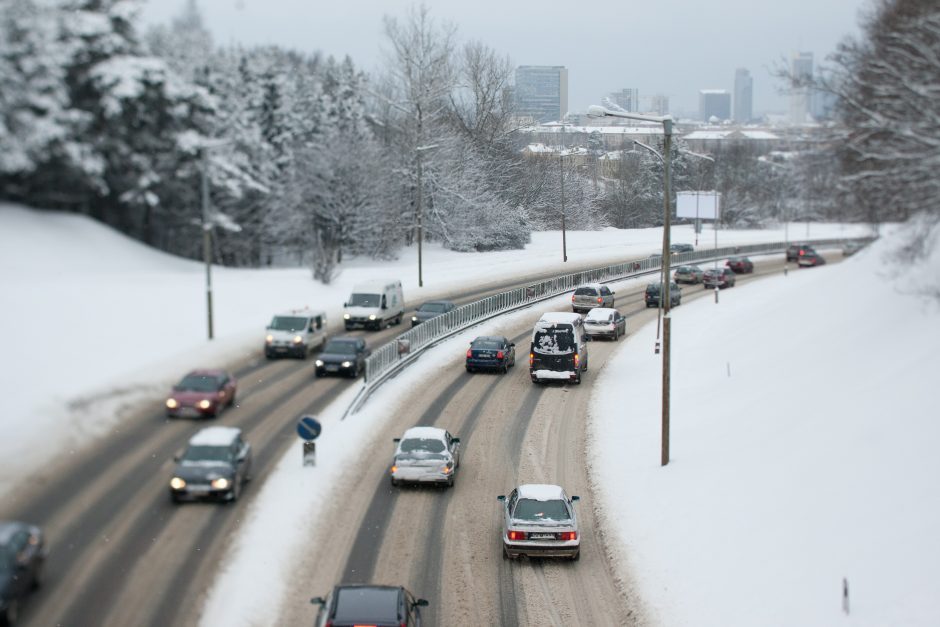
x=201, y=393
x=740, y=265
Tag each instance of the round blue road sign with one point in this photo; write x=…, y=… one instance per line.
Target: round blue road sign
x=308, y=428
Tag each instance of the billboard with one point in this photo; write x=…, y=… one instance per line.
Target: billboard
x=700, y=205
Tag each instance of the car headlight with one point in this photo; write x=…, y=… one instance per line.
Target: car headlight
x=177, y=484
x=345, y=316
x=447, y=468
x=347, y=364
x=298, y=339
x=269, y=339
x=414, y=318
x=221, y=483
x=319, y=363
x=172, y=403
x=372, y=317
x=205, y=403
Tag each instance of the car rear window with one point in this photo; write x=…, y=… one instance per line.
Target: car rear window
x=366, y=605
x=557, y=340
x=530, y=509
x=486, y=345
x=426, y=445
x=585, y=291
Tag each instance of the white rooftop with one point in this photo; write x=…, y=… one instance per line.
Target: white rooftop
x=423, y=433
x=541, y=492
x=215, y=436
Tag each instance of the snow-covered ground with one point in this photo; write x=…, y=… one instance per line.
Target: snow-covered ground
x=802, y=435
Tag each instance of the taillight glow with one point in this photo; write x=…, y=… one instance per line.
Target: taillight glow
x=600, y=300
x=572, y=298
x=517, y=535
x=469, y=353
x=577, y=360
x=531, y=358
x=499, y=354
x=569, y=535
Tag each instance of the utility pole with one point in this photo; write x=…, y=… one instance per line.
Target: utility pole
x=664, y=292
x=561, y=170
x=207, y=234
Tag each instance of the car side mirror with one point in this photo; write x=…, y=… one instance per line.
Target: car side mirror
x=177, y=458
x=455, y=440
x=317, y=601
x=421, y=603
x=344, y=305
x=512, y=345
x=501, y=497
x=575, y=498
x=242, y=454
x=396, y=440
x=587, y=338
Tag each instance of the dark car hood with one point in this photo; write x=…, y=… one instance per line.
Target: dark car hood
x=336, y=358
x=193, y=396
x=424, y=316
x=203, y=471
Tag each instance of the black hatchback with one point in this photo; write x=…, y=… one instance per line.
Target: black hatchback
x=344, y=355
x=491, y=352
x=22, y=555
x=364, y=604
x=653, y=294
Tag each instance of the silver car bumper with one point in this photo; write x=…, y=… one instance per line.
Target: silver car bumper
x=530, y=548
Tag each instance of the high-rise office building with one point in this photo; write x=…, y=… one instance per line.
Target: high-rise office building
x=659, y=104
x=714, y=103
x=542, y=92
x=801, y=71
x=743, y=96
x=627, y=99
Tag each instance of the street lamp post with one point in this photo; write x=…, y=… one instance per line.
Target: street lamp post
x=666, y=121
x=561, y=170
x=207, y=235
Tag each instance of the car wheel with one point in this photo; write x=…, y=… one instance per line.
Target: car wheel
x=268, y=355
x=12, y=613
x=303, y=353
x=577, y=379
x=506, y=555
x=175, y=499
x=231, y=401
x=505, y=369
x=576, y=556
x=395, y=482
x=355, y=372
x=236, y=489
x=450, y=482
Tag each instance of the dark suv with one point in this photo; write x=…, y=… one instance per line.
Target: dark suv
x=719, y=277
x=795, y=250
x=363, y=604
x=214, y=465
x=592, y=295
x=653, y=290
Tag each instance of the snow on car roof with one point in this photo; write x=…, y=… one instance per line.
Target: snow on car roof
x=596, y=286
x=306, y=311
x=376, y=285
x=424, y=433
x=541, y=492
x=600, y=313
x=215, y=436
x=558, y=317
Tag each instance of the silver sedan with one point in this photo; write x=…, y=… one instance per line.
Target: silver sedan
x=425, y=455
x=539, y=521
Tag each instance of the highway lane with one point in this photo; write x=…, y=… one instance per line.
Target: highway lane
x=120, y=553
x=444, y=545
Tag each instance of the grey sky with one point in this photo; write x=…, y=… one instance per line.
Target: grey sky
x=674, y=47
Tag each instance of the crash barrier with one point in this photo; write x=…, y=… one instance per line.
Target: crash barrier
x=391, y=358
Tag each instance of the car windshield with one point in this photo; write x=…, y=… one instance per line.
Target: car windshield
x=486, y=345
x=199, y=383
x=530, y=509
x=433, y=307
x=556, y=340
x=203, y=453
x=585, y=291
x=364, y=300
x=366, y=605
x=288, y=323
x=340, y=348
x=421, y=445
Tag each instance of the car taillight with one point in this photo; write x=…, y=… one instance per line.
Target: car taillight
x=600, y=300
x=499, y=354
x=572, y=298
x=517, y=535
x=531, y=358
x=577, y=360
x=569, y=535
x=469, y=353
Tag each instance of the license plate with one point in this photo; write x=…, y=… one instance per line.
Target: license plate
x=189, y=412
x=198, y=488
x=332, y=368
x=543, y=536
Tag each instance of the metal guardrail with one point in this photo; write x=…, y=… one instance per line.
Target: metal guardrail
x=392, y=357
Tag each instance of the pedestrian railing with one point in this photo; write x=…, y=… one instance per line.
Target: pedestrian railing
x=392, y=357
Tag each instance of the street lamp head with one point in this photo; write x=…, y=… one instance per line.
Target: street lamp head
x=596, y=111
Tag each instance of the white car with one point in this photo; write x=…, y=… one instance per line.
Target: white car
x=539, y=521
x=605, y=321
x=425, y=455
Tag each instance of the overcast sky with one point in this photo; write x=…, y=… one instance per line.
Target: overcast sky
x=675, y=47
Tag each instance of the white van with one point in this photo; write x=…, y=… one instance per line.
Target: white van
x=296, y=333
x=374, y=304
x=559, y=348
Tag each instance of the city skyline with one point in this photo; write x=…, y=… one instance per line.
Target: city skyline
x=601, y=50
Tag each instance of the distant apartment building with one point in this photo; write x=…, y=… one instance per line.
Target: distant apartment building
x=659, y=104
x=801, y=70
x=743, y=96
x=541, y=92
x=714, y=103
x=627, y=99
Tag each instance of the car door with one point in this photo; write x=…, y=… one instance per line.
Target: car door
x=607, y=295
x=453, y=445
